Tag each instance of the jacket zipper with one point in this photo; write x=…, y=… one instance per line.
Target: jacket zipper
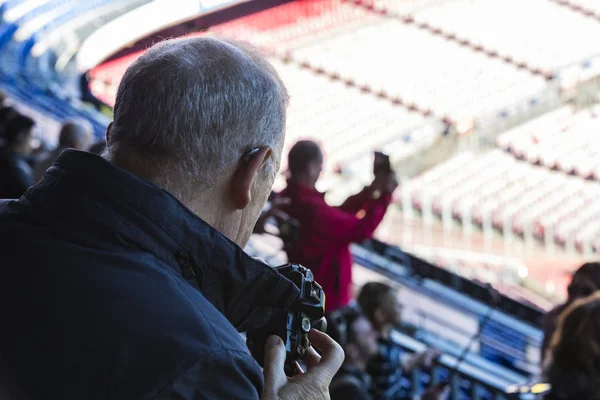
x=187, y=269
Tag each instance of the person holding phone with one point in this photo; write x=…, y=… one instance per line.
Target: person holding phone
x=325, y=232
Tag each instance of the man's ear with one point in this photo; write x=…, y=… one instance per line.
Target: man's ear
x=108, y=132
x=244, y=176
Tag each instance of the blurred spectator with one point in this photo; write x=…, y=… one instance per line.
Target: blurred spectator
x=574, y=358
x=326, y=232
x=75, y=134
x=98, y=147
x=15, y=173
x=357, y=337
x=585, y=281
x=380, y=304
x=124, y=276
x=86, y=93
x=6, y=113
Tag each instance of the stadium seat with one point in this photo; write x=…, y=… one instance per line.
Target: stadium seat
x=514, y=195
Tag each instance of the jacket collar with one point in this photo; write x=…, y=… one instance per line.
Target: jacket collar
x=246, y=291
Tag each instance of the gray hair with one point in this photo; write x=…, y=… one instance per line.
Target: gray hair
x=192, y=107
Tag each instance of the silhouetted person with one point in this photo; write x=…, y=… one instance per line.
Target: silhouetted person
x=75, y=134
x=98, y=147
x=6, y=113
x=16, y=174
x=86, y=92
x=326, y=232
x=391, y=365
x=353, y=331
x=574, y=356
x=585, y=281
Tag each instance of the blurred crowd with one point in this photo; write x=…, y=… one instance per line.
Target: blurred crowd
x=375, y=366
x=24, y=158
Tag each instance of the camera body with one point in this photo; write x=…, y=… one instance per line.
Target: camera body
x=293, y=325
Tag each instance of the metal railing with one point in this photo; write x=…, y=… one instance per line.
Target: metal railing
x=465, y=380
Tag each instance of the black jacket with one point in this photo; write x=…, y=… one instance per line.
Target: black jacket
x=111, y=289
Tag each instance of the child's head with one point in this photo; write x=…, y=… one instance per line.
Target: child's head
x=380, y=304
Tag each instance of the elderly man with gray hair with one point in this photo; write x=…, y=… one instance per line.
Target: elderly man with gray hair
x=124, y=275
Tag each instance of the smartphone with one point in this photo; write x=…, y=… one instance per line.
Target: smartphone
x=381, y=163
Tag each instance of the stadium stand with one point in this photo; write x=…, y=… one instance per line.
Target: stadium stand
x=333, y=51
x=564, y=140
x=24, y=23
x=495, y=190
x=506, y=274
x=545, y=48
x=364, y=123
x=587, y=8
x=356, y=101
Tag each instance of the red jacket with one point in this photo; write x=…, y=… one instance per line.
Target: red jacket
x=326, y=232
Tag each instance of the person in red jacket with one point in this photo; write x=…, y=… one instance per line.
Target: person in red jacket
x=325, y=232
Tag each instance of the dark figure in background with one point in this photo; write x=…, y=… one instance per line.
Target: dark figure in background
x=123, y=276
x=585, y=281
x=98, y=147
x=16, y=175
x=6, y=113
x=390, y=366
x=574, y=356
x=357, y=337
x=326, y=232
x=76, y=134
x=86, y=92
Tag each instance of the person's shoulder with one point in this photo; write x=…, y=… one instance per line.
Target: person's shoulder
x=346, y=386
x=181, y=312
x=221, y=374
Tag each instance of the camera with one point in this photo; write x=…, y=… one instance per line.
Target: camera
x=292, y=325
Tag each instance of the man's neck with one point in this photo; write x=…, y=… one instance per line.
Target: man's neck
x=304, y=180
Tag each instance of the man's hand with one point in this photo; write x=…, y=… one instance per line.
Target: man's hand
x=311, y=385
x=429, y=356
x=424, y=359
x=385, y=182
